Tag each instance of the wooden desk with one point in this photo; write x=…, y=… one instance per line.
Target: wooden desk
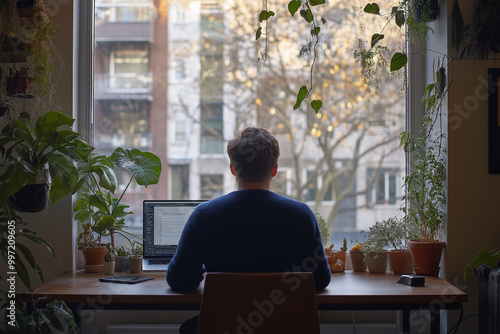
x=347, y=291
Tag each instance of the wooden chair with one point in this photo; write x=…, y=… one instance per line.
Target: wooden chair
x=258, y=303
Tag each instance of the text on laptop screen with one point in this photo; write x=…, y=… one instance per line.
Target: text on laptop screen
x=163, y=224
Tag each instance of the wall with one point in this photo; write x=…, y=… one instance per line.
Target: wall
x=473, y=194
x=55, y=223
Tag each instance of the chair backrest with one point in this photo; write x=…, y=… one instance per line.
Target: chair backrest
x=258, y=303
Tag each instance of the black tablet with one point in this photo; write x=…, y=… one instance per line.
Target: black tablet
x=126, y=279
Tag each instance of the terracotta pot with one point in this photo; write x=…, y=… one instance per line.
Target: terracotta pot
x=95, y=255
x=336, y=260
x=401, y=262
x=426, y=256
x=358, y=261
x=31, y=197
x=135, y=264
x=377, y=262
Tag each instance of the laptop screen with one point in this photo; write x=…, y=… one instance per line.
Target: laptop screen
x=163, y=222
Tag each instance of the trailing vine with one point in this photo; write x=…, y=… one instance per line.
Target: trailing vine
x=304, y=8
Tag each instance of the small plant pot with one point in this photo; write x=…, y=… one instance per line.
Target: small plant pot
x=336, y=260
x=401, y=262
x=377, y=262
x=109, y=268
x=358, y=261
x=135, y=264
x=95, y=255
x=122, y=263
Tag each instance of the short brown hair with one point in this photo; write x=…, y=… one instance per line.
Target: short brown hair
x=253, y=154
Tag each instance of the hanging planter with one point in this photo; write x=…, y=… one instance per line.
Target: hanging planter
x=31, y=198
x=17, y=85
x=425, y=10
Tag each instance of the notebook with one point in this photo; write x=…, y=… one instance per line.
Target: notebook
x=163, y=222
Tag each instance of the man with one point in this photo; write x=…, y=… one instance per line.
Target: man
x=251, y=229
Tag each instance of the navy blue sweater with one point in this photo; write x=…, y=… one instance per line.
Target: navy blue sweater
x=248, y=231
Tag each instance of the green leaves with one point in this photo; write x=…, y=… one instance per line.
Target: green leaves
x=372, y=8
x=398, y=60
x=376, y=38
x=293, y=6
x=265, y=15
x=144, y=166
x=258, y=33
x=301, y=95
x=315, y=31
x=317, y=2
x=400, y=17
x=489, y=258
x=307, y=15
x=316, y=105
x=404, y=138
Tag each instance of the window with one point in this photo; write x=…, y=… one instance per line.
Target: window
x=317, y=183
x=124, y=11
x=384, y=190
x=280, y=183
x=130, y=69
x=180, y=181
x=183, y=91
x=210, y=186
x=211, y=139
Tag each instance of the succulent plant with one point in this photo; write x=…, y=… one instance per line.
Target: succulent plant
x=109, y=256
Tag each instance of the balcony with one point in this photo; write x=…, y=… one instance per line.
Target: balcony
x=124, y=21
x=137, y=86
x=108, y=143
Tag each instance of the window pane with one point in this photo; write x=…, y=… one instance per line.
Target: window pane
x=211, y=186
x=178, y=78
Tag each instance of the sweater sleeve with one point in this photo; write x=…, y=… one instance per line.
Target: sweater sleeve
x=185, y=270
x=322, y=274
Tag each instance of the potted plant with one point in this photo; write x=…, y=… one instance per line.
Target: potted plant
x=39, y=160
x=97, y=207
x=136, y=257
x=398, y=232
x=92, y=248
x=109, y=261
x=122, y=262
x=336, y=259
x=425, y=206
x=375, y=242
x=358, y=258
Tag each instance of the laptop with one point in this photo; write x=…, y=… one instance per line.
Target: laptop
x=163, y=222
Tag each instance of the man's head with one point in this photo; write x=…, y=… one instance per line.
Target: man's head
x=254, y=154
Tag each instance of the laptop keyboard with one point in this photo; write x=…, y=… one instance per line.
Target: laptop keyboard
x=158, y=261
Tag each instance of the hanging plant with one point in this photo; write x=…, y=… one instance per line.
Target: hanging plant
x=481, y=37
x=305, y=10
